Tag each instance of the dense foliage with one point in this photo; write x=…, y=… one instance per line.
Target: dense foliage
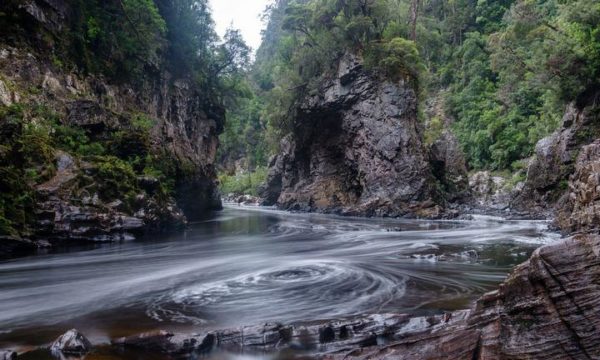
x=129, y=41
x=504, y=68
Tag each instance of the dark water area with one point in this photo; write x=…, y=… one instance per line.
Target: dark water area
x=247, y=266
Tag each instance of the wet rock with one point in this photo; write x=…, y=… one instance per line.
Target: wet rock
x=8, y=355
x=548, y=308
x=355, y=149
x=154, y=340
x=71, y=343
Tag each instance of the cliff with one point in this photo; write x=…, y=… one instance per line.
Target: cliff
x=356, y=148
x=93, y=157
x=554, y=161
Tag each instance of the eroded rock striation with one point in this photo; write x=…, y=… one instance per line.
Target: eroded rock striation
x=356, y=149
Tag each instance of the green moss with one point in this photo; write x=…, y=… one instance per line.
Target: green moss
x=115, y=178
x=434, y=130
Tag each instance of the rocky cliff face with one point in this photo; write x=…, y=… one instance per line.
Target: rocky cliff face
x=179, y=132
x=555, y=156
x=356, y=149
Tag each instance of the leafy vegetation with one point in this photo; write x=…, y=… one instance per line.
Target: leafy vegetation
x=506, y=68
x=246, y=183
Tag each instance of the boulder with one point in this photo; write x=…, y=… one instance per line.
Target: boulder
x=71, y=343
x=8, y=355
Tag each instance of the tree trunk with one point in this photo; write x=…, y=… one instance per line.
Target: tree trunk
x=414, y=14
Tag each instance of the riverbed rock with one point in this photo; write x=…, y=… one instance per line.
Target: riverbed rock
x=71, y=343
x=8, y=355
x=356, y=149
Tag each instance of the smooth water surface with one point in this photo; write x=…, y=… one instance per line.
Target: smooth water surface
x=250, y=265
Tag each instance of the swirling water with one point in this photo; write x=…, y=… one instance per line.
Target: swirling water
x=250, y=265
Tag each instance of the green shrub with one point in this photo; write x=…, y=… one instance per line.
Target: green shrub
x=247, y=183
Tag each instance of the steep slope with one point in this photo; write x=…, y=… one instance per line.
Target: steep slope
x=94, y=157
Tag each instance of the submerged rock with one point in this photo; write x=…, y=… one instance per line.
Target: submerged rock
x=71, y=343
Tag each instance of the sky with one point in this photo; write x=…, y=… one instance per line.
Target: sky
x=244, y=14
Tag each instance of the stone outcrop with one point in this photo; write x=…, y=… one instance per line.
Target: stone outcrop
x=579, y=210
x=356, y=149
x=491, y=192
x=71, y=343
x=555, y=156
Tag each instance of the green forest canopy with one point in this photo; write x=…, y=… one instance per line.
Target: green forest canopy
x=505, y=68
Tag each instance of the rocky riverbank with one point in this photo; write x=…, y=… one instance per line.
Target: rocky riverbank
x=86, y=157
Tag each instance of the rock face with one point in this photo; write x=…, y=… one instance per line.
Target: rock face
x=579, y=210
x=555, y=157
x=71, y=343
x=355, y=149
x=489, y=191
x=184, y=129
x=449, y=166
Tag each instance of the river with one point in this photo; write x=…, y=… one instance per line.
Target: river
x=251, y=265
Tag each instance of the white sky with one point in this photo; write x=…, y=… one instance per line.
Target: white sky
x=244, y=14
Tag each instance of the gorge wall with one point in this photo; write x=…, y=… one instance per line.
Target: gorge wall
x=356, y=148
x=97, y=158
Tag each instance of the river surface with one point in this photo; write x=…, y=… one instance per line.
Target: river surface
x=247, y=266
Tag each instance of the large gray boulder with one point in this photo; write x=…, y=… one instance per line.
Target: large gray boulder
x=71, y=343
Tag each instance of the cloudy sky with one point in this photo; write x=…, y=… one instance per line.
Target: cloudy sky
x=244, y=14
